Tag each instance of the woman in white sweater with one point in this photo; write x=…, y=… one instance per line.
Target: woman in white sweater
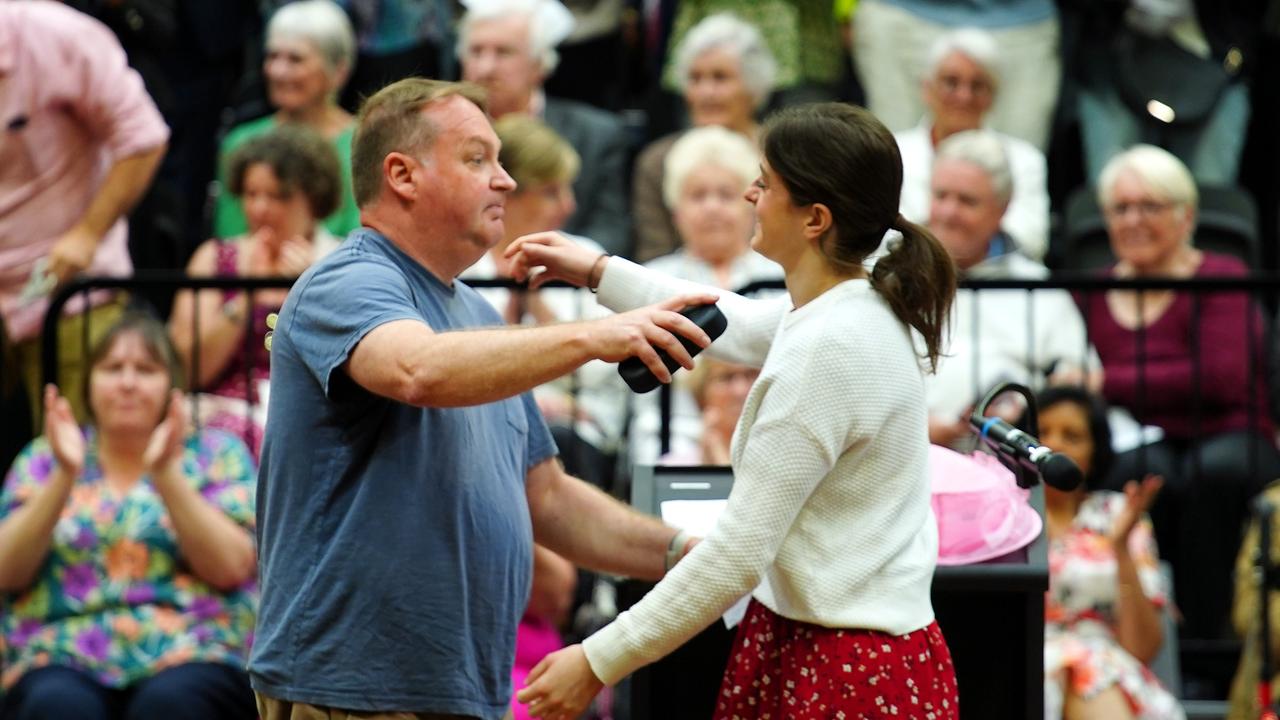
x=828, y=526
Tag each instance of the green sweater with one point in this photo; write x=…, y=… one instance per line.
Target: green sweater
x=228, y=217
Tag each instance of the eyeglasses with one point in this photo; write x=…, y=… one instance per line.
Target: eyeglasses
x=951, y=84
x=1145, y=209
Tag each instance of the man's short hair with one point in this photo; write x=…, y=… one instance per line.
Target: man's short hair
x=392, y=121
x=550, y=22
x=984, y=150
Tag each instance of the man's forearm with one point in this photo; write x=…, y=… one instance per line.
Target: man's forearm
x=122, y=188
x=596, y=531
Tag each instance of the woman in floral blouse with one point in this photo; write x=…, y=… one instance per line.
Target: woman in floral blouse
x=1102, y=611
x=126, y=554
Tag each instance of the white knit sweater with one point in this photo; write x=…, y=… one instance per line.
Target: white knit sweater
x=830, y=504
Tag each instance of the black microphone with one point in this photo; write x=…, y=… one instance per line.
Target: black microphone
x=641, y=379
x=1055, y=469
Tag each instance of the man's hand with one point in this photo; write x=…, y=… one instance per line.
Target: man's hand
x=561, y=686
x=641, y=333
x=72, y=253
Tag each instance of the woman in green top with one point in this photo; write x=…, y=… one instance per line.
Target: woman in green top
x=310, y=49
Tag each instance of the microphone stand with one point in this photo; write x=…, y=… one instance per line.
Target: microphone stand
x=1026, y=474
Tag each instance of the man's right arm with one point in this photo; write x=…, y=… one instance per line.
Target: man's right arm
x=407, y=361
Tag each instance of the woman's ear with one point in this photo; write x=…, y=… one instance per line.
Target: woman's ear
x=818, y=221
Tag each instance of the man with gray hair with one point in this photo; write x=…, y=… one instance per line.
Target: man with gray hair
x=959, y=90
x=995, y=335
x=508, y=48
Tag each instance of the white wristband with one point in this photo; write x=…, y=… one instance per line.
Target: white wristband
x=674, y=550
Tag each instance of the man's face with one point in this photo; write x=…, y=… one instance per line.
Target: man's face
x=462, y=186
x=498, y=58
x=964, y=210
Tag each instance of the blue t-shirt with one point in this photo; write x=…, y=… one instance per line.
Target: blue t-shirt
x=395, y=546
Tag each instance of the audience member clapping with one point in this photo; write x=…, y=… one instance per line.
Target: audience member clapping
x=1106, y=592
x=286, y=180
x=995, y=335
x=720, y=389
x=959, y=89
x=1188, y=365
x=126, y=551
x=726, y=74
x=509, y=48
x=310, y=49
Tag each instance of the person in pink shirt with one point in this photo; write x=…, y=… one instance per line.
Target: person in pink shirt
x=80, y=140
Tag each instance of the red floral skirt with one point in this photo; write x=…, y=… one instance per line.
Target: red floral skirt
x=783, y=669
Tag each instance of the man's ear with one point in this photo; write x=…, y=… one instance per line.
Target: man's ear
x=398, y=170
x=818, y=221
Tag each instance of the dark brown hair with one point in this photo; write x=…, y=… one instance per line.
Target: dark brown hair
x=842, y=157
x=392, y=121
x=302, y=162
x=155, y=339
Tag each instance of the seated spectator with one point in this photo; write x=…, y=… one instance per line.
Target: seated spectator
x=891, y=45
x=958, y=91
x=707, y=171
x=1106, y=593
x=1189, y=365
x=802, y=35
x=286, y=180
x=126, y=551
x=508, y=48
x=82, y=143
x=310, y=49
x=588, y=408
x=726, y=74
x=720, y=389
x=995, y=335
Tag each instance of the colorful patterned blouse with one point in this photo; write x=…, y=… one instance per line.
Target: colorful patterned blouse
x=114, y=597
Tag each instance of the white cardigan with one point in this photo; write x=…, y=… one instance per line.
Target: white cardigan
x=830, y=505
x=1026, y=220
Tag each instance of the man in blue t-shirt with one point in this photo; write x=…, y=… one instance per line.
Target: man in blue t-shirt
x=406, y=470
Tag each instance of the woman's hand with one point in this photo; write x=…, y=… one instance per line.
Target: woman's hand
x=1138, y=498
x=164, y=449
x=561, y=686
x=295, y=256
x=62, y=432
x=558, y=257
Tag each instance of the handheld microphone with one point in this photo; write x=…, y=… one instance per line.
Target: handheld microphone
x=1055, y=469
x=641, y=379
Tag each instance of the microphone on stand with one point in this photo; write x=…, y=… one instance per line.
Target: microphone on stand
x=1057, y=470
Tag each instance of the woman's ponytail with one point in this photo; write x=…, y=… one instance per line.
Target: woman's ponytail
x=918, y=280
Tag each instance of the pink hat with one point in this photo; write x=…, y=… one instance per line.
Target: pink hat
x=982, y=514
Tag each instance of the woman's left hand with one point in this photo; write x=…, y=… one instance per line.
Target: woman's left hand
x=561, y=686
x=164, y=449
x=1138, y=497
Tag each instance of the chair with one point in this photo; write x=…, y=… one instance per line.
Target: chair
x=1227, y=223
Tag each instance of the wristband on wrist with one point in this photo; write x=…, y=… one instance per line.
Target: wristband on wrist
x=675, y=549
x=596, y=273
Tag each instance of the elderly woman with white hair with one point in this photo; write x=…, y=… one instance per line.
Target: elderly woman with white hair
x=995, y=335
x=1191, y=365
x=706, y=173
x=726, y=74
x=959, y=90
x=310, y=48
